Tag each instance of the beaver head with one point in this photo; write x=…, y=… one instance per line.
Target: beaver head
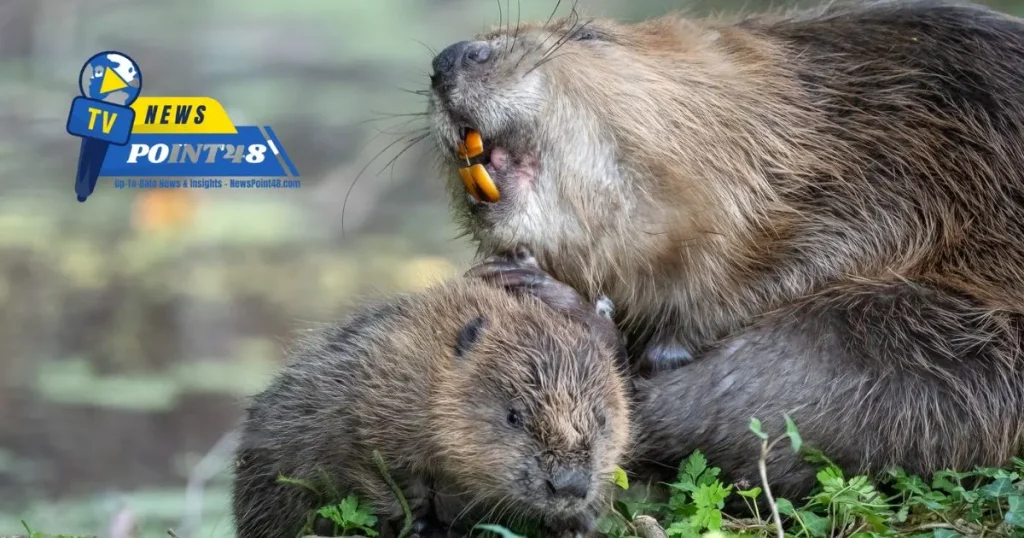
x=619, y=150
x=533, y=414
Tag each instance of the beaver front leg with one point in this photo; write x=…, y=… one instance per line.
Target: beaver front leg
x=519, y=272
x=875, y=375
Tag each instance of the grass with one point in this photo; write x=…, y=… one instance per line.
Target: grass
x=985, y=502
x=36, y=534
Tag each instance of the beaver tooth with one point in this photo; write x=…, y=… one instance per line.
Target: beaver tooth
x=484, y=184
x=474, y=144
x=467, y=180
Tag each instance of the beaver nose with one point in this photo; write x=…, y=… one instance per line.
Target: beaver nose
x=569, y=484
x=459, y=56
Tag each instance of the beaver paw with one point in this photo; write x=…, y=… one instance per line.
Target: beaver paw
x=518, y=272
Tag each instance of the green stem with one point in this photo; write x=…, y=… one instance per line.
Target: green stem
x=383, y=468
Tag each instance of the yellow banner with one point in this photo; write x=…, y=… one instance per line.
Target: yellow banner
x=181, y=115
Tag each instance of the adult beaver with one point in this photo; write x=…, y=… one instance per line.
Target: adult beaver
x=481, y=404
x=825, y=208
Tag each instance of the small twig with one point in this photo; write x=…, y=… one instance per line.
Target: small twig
x=762, y=467
x=170, y=532
x=934, y=526
x=211, y=464
x=383, y=468
x=742, y=525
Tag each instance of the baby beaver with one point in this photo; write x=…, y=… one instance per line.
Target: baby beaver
x=484, y=405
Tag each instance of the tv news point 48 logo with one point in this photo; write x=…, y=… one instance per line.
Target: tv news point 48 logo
x=165, y=142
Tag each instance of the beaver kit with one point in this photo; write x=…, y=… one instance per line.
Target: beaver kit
x=475, y=401
x=817, y=213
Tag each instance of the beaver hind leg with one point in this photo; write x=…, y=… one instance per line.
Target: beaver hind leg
x=876, y=375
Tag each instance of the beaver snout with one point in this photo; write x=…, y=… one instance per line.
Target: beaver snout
x=455, y=59
x=569, y=484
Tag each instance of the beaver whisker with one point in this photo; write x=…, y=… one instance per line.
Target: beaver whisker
x=573, y=31
x=428, y=47
x=499, y=12
x=519, y=20
x=411, y=144
x=544, y=61
x=508, y=25
x=348, y=193
x=575, y=18
x=385, y=116
x=538, y=46
x=553, y=11
x=423, y=93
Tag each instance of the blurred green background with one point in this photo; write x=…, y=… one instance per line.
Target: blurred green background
x=132, y=326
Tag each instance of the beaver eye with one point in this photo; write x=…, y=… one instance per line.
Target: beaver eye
x=586, y=34
x=514, y=418
x=601, y=421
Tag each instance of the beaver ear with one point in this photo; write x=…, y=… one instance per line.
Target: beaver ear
x=469, y=335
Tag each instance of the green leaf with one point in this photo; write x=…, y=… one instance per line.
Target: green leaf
x=709, y=518
x=751, y=493
x=794, y=435
x=499, y=530
x=1000, y=487
x=627, y=512
x=332, y=513
x=1015, y=516
x=947, y=481
x=815, y=524
x=620, y=479
x=785, y=507
x=612, y=524
x=685, y=529
x=813, y=455
x=946, y=533
x=695, y=465
x=349, y=506
x=831, y=479
x=755, y=426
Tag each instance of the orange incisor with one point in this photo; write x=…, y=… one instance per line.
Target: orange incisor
x=478, y=182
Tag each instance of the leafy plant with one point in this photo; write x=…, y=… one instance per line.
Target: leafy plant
x=351, y=515
x=984, y=502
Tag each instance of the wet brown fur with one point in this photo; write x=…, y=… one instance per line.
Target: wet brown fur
x=826, y=206
x=428, y=380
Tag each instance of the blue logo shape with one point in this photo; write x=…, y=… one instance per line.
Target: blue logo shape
x=109, y=82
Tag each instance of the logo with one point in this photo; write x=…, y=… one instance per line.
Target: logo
x=165, y=142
